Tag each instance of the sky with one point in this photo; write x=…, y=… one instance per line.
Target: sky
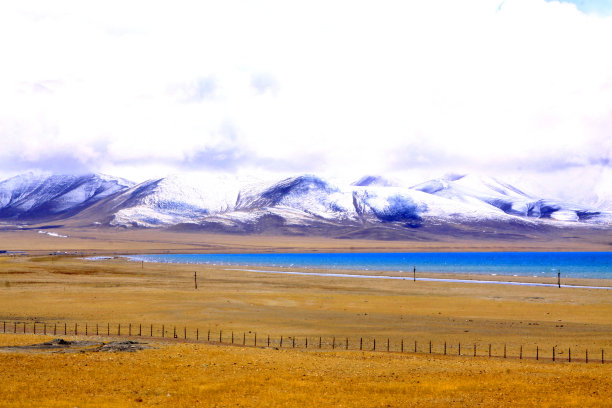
x=515, y=89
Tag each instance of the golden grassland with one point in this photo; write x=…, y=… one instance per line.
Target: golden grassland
x=63, y=289
x=188, y=375
x=55, y=289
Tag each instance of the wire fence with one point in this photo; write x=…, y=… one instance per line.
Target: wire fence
x=362, y=343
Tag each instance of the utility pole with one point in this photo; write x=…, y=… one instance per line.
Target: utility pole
x=195, y=279
x=414, y=274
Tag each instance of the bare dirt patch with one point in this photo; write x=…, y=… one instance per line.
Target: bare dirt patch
x=78, y=346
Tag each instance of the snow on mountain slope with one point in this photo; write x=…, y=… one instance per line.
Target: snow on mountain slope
x=307, y=193
x=475, y=190
x=390, y=204
x=31, y=196
x=372, y=181
x=472, y=189
x=16, y=188
x=371, y=201
x=175, y=199
x=457, y=199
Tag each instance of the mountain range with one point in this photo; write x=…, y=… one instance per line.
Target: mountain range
x=372, y=206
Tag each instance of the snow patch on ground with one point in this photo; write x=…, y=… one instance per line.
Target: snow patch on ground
x=53, y=234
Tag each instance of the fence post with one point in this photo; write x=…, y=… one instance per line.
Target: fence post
x=489, y=350
x=374, y=348
x=586, y=356
x=293, y=341
x=220, y=332
x=97, y=332
x=347, y=346
x=256, y=339
x=139, y=329
x=163, y=330
x=76, y=328
x=34, y=328
x=208, y=336
x=553, y=353
x=521, y=353
x=151, y=330
x=333, y=343
x=402, y=346
x=387, y=344
x=474, y=349
x=174, y=333
x=185, y=332
x=243, y=338
x=108, y=329
x=118, y=329
x=130, y=330
x=86, y=329
x=197, y=334
x=306, y=342
x=232, y=337
x=268, y=340
x=45, y=329
x=361, y=343
x=319, y=341
x=65, y=330
x=3, y=327
x=504, y=351
x=537, y=353
x=281, y=342
x=602, y=356
x=459, y=349
x=429, y=346
x=444, y=348
x=415, y=346
x=54, y=329
x=569, y=358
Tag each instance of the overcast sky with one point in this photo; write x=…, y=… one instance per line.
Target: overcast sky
x=519, y=89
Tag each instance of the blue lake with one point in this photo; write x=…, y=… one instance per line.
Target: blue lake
x=545, y=264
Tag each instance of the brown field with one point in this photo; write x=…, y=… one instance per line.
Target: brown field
x=55, y=289
x=121, y=241
x=188, y=375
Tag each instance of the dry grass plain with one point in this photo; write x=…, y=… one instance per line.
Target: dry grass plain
x=120, y=241
x=63, y=289
x=190, y=375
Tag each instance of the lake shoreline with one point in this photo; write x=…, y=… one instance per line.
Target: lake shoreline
x=421, y=276
x=577, y=269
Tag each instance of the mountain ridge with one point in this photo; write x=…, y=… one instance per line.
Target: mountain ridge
x=305, y=204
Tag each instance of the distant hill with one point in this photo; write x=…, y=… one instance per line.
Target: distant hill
x=371, y=207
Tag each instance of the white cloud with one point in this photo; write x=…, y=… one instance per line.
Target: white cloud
x=336, y=87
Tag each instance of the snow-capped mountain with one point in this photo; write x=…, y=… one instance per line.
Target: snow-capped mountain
x=173, y=200
x=371, y=181
x=308, y=193
x=305, y=204
x=478, y=190
x=39, y=196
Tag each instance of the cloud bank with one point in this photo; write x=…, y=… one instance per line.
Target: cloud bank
x=345, y=88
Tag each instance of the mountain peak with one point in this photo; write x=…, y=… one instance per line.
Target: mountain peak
x=372, y=180
x=43, y=195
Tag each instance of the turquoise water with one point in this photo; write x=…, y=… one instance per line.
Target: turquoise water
x=545, y=264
